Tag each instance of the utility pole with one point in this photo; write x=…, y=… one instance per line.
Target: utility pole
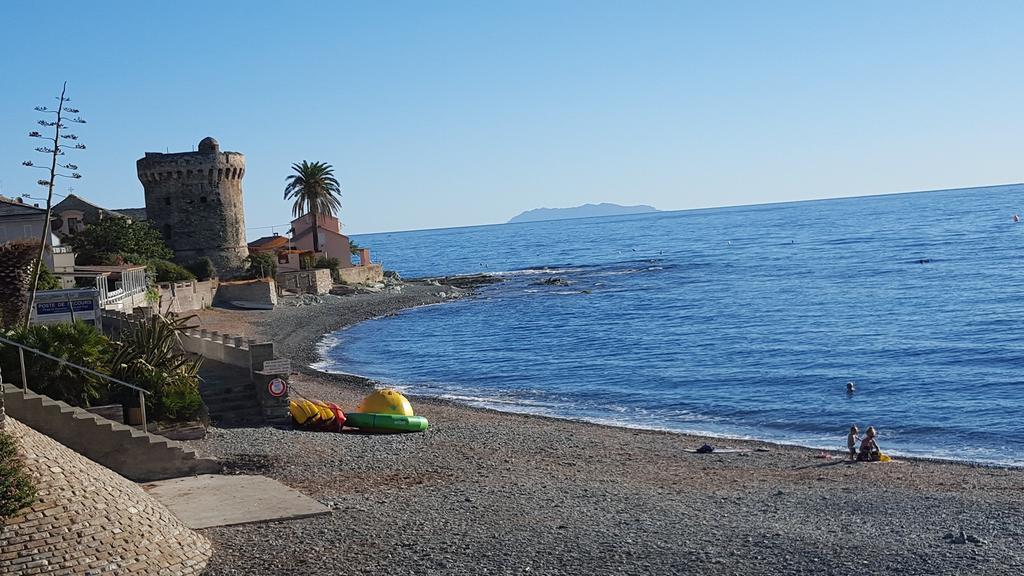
x=57, y=149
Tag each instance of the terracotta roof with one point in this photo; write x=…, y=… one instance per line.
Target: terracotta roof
x=269, y=242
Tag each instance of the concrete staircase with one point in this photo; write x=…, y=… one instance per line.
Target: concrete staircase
x=229, y=395
x=130, y=452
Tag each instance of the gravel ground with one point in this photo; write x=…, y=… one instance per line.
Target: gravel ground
x=484, y=492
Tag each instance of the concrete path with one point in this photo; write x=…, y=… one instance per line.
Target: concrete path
x=212, y=500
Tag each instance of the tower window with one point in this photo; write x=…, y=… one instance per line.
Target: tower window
x=167, y=201
x=202, y=199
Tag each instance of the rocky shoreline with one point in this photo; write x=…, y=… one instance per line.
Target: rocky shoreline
x=485, y=492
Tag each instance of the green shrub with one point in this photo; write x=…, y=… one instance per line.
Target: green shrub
x=261, y=265
x=16, y=488
x=169, y=271
x=180, y=401
x=113, y=238
x=202, y=268
x=48, y=280
x=331, y=264
x=149, y=356
x=306, y=262
x=79, y=343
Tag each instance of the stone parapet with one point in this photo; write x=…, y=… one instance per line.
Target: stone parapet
x=316, y=281
x=368, y=274
x=186, y=296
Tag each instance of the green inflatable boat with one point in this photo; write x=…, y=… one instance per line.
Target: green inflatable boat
x=388, y=422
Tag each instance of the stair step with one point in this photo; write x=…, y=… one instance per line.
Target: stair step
x=83, y=415
x=228, y=407
x=221, y=399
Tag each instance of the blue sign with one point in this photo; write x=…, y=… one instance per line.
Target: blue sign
x=65, y=307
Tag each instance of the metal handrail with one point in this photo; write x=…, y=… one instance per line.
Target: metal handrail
x=24, y=378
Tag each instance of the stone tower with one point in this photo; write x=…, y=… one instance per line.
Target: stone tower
x=195, y=200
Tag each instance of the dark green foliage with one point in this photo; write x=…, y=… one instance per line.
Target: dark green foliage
x=149, y=355
x=48, y=280
x=314, y=190
x=261, y=265
x=180, y=401
x=202, y=268
x=331, y=264
x=164, y=271
x=79, y=343
x=16, y=488
x=119, y=238
x=353, y=248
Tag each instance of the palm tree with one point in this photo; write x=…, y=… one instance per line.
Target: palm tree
x=315, y=190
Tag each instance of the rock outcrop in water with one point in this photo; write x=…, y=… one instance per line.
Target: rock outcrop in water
x=584, y=211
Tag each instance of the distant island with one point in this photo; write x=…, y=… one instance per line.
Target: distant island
x=584, y=211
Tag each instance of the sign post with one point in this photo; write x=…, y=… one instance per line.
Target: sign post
x=278, y=366
x=277, y=387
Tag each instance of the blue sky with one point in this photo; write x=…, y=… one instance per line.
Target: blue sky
x=440, y=114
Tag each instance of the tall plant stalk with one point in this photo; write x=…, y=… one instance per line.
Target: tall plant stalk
x=55, y=151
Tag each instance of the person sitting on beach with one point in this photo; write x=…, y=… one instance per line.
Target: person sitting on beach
x=851, y=441
x=869, y=451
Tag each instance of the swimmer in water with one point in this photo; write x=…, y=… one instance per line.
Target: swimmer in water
x=850, y=388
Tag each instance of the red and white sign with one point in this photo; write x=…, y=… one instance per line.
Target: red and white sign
x=277, y=387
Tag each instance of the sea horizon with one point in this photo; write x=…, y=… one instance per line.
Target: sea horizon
x=357, y=235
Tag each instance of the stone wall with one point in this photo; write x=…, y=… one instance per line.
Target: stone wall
x=248, y=291
x=186, y=296
x=368, y=274
x=316, y=281
x=242, y=353
x=195, y=200
x=89, y=520
x=233, y=350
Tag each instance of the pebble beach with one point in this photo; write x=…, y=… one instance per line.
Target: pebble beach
x=486, y=492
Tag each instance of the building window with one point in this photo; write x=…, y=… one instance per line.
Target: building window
x=202, y=199
x=168, y=232
x=167, y=201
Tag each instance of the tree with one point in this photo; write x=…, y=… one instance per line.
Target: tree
x=315, y=190
x=119, y=238
x=165, y=271
x=17, y=261
x=202, y=268
x=261, y=265
x=47, y=280
x=58, y=148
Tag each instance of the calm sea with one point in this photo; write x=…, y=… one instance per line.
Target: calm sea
x=739, y=322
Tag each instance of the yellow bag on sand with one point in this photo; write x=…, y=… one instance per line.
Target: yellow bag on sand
x=884, y=458
x=298, y=413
